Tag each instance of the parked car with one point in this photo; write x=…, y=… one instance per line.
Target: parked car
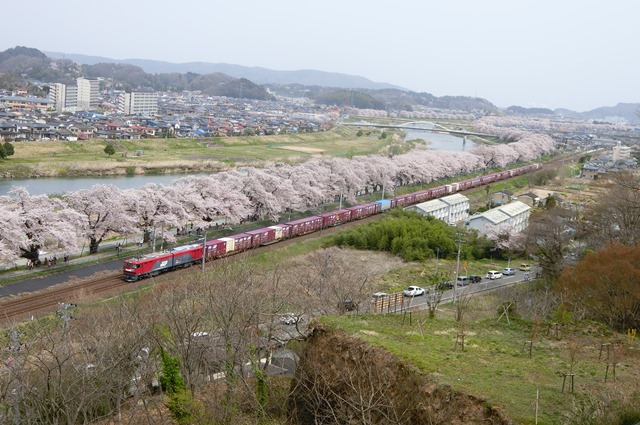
x=443, y=286
x=508, y=271
x=463, y=280
x=379, y=295
x=413, y=291
x=474, y=278
x=493, y=274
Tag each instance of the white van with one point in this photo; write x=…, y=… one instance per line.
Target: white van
x=494, y=274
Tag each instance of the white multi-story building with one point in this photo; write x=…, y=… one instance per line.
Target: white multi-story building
x=64, y=98
x=82, y=97
x=138, y=103
x=452, y=209
x=514, y=215
x=57, y=96
x=621, y=152
x=88, y=94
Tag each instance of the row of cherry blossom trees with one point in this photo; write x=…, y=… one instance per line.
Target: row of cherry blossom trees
x=59, y=224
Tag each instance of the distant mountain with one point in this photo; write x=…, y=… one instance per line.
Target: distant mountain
x=256, y=74
x=622, y=111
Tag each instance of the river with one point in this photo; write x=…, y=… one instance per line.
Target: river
x=438, y=141
x=59, y=185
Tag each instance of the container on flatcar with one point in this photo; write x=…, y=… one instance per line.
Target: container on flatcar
x=423, y=195
x=238, y=242
x=402, y=200
x=386, y=204
x=282, y=231
x=451, y=188
x=304, y=225
x=439, y=191
x=216, y=248
x=262, y=236
x=364, y=210
x=335, y=218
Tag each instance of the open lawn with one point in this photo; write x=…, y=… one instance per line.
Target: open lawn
x=61, y=158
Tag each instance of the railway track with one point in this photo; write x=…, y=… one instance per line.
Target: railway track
x=23, y=306
x=40, y=302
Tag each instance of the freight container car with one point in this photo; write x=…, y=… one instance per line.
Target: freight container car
x=403, y=200
x=304, y=225
x=364, y=210
x=262, y=236
x=386, y=204
x=216, y=248
x=238, y=242
x=335, y=218
x=282, y=231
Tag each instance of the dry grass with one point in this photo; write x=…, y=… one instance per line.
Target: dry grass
x=60, y=158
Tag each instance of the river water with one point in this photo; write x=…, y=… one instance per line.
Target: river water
x=439, y=142
x=59, y=185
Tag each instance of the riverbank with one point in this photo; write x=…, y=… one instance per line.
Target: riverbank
x=37, y=159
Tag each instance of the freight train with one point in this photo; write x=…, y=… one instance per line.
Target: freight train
x=186, y=255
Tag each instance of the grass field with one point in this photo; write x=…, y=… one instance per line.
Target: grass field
x=495, y=364
x=60, y=158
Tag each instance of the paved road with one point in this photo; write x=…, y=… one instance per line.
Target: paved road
x=474, y=288
x=55, y=278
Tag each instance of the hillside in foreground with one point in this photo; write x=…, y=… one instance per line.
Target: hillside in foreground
x=493, y=380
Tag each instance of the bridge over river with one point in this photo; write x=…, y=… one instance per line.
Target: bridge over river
x=437, y=128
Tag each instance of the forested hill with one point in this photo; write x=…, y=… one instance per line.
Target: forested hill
x=21, y=65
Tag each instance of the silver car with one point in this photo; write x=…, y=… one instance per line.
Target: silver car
x=508, y=271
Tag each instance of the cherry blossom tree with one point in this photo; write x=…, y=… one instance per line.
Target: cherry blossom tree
x=269, y=194
x=36, y=223
x=104, y=211
x=216, y=197
x=308, y=184
x=156, y=206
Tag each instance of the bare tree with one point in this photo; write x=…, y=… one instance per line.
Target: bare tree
x=547, y=237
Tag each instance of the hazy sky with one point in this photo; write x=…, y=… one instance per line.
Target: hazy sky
x=577, y=54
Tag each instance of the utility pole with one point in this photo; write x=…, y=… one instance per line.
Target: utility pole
x=455, y=283
x=204, y=249
x=15, y=347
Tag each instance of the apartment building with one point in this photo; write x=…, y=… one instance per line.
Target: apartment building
x=138, y=103
x=84, y=96
x=515, y=215
x=88, y=94
x=452, y=209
